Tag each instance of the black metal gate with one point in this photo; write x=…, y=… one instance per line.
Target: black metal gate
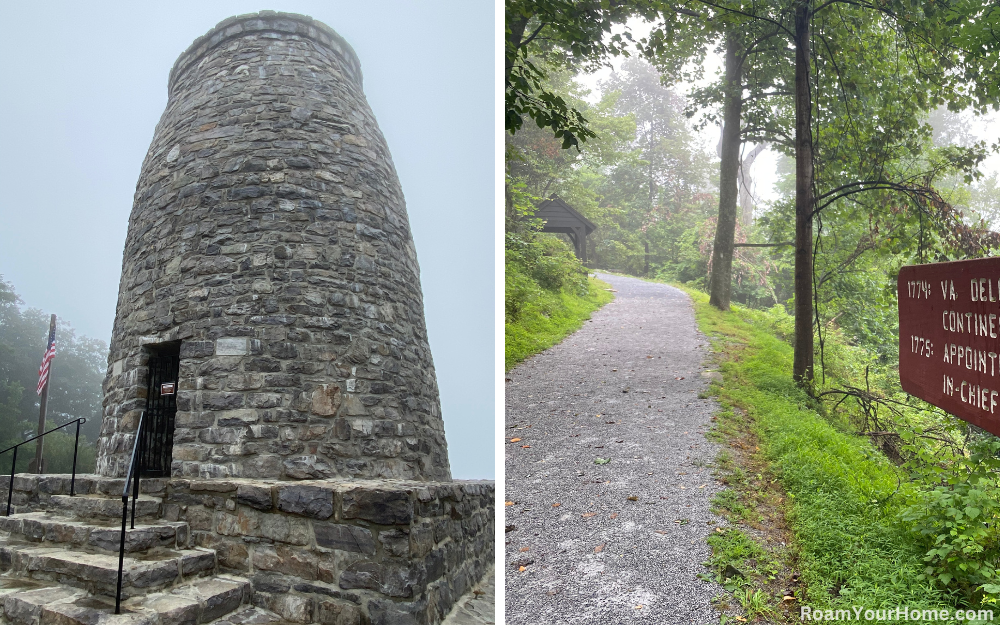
x=156, y=444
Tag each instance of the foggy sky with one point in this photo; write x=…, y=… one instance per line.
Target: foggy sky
x=83, y=84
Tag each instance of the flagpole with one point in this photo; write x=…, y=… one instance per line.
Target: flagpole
x=37, y=465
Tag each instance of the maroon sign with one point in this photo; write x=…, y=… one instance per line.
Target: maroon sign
x=949, y=337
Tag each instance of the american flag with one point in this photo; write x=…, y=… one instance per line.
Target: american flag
x=50, y=353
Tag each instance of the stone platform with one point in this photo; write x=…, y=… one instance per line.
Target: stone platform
x=244, y=551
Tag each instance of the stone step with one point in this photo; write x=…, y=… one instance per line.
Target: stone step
x=86, y=484
x=252, y=616
x=200, y=601
x=65, y=605
x=46, y=527
x=88, y=507
x=98, y=572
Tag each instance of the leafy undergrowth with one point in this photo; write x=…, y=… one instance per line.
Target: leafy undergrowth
x=545, y=317
x=847, y=543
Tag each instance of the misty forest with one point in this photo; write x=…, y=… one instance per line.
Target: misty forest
x=74, y=391
x=646, y=118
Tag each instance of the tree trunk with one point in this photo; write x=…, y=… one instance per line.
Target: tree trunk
x=802, y=364
x=725, y=231
x=512, y=44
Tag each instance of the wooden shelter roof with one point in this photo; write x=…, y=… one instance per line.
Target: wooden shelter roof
x=557, y=213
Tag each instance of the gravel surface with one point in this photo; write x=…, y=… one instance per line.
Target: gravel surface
x=625, y=388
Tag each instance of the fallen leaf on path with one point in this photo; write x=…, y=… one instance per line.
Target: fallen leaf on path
x=523, y=549
x=660, y=532
x=602, y=460
x=703, y=486
x=556, y=505
x=587, y=515
x=633, y=498
x=525, y=446
x=614, y=515
x=515, y=440
x=522, y=569
x=508, y=503
x=638, y=607
x=682, y=521
x=720, y=530
x=599, y=548
x=788, y=598
x=683, y=488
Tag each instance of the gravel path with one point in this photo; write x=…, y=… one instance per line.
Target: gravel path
x=624, y=387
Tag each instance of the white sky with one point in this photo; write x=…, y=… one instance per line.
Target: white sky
x=84, y=84
x=764, y=169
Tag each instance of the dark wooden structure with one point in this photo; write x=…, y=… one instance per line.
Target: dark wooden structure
x=561, y=217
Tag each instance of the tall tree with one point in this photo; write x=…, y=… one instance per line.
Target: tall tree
x=751, y=76
x=829, y=42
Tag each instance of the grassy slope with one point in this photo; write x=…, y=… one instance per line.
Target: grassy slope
x=551, y=320
x=843, y=505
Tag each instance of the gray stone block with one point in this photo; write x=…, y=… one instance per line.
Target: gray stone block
x=385, y=507
x=344, y=538
x=311, y=501
x=258, y=497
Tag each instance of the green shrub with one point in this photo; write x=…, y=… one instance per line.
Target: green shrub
x=957, y=520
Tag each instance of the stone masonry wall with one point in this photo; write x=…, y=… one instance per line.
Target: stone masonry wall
x=269, y=237
x=381, y=552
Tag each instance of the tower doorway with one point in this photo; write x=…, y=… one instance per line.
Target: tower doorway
x=156, y=444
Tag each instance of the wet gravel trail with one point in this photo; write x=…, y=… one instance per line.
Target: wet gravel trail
x=625, y=388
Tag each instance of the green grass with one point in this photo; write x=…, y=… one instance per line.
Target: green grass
x=843, y=503
x=547, y=317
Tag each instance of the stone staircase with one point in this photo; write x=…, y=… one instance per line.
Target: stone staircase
x=239, y=551
x=59, y=566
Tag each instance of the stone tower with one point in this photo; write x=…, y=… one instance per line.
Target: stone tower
x=270, y=274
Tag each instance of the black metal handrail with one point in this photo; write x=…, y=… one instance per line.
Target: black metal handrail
x=133, y=469
x=13, y=462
